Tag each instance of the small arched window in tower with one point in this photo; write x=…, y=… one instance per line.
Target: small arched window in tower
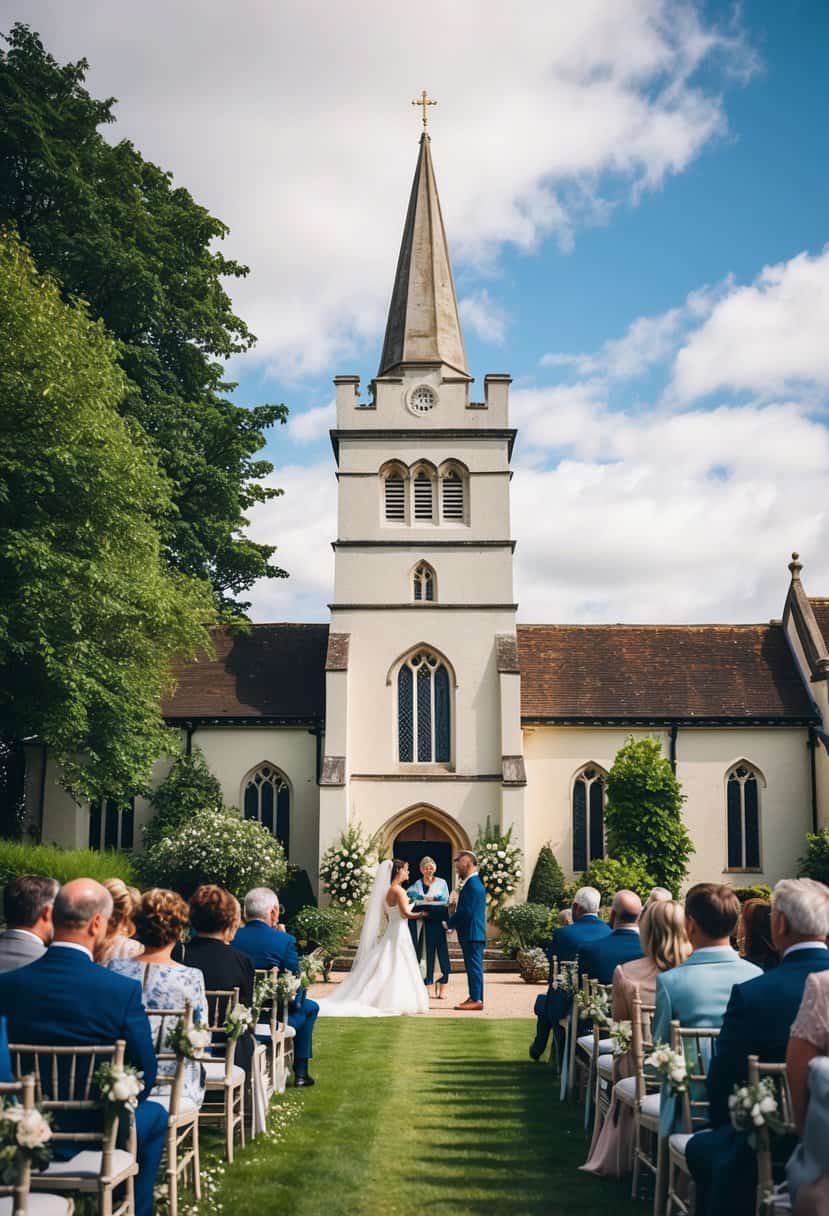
x=743, y=815
x=394, y=496
x=588, y=817
x=424, y=583
x=267, y=799
x=423, y=496
x=423, y=710
x=452, y=496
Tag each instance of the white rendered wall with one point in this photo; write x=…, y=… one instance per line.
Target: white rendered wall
x=384, y=575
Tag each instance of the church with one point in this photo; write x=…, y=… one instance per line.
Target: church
x=421, y=709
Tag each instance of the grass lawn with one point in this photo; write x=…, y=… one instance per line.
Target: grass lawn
x=409, y=1113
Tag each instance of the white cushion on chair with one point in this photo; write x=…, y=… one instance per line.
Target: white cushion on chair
x=626, y=1092
x=263, y=1030
x=604, y=1066
x=290, y=1032
x=677, y=1143
x=215, y=1073
x=38, y=1205
x=185, y=1105
x=585, y=1042
x=87, y=1165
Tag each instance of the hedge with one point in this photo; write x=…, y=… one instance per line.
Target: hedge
x=20, y=857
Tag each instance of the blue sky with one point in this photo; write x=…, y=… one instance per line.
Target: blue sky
x=635, y=196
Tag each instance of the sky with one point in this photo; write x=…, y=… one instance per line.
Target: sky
x=635, y=195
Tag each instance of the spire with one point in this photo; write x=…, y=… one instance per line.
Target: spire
x=423, y=324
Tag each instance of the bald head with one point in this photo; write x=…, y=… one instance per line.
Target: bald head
x=81, y=913
x=626, y=908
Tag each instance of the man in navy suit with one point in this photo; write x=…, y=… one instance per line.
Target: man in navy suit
x=757, y=1023
x=66, y=998
x=566, y=944
x=469, y=921
x=266, y=945
x=600, y=958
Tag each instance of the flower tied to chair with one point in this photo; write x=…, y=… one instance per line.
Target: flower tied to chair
x=23, y=1134
x=755, y=1109
x=188, y=1041
x=119, y=1088
x=671, y=1064
x=239, y=1019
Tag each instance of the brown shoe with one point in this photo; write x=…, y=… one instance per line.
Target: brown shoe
x=470, y=1006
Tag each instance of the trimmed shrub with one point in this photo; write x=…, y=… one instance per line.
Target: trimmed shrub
x=609, y=876
x=188, y=788
x=816, y=862
x=524, y=926
x=216, y=847
x=547, y=883
x=760, y=891
x=17, y=857
x=323, y=929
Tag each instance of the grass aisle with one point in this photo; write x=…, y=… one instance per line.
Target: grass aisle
x=409, y=1113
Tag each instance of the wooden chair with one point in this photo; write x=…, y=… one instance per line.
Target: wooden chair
x=695, y=1044
x=182, y=1150
x=565, y=1071
x=590, y=1048
x=63, y=1085
x=273, y=1031
x=603, y=1071
x=224, y=1096
x=768, y=1201
x=641, y=1093
x=14, y=1197
x=574, y=1059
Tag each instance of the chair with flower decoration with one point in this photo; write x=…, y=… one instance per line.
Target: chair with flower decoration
x=64, y=1088
x=182, y=1147
x=769, y=1200
x=695, y=1044
x=592, y=1046
x=224, y=1095
x=15, y=1198
x=277, y=1037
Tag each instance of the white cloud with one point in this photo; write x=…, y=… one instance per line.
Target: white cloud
x=484, y=316
x=313, y=424
x=292, y=123
x=767, y=338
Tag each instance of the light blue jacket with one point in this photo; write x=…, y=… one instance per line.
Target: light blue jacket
x=439, y=890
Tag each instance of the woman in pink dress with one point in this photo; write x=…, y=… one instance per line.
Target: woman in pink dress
x=665, y=945
x=808, y=1039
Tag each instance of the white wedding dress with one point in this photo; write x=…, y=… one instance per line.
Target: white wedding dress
x=385, y=978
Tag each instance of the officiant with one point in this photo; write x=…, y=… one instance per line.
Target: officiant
x=431, y=889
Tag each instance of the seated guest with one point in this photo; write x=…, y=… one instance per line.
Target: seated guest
x=160, y=922
x=63, y=997
x=757, y=944
x=268, y=946
x=599, y=959
x=120, y=937
x=566, y=943
x=757, y=1022
x=665, y=945
x=808, y=1169
x=27, y=911
x=565, y=916
x=214, y=917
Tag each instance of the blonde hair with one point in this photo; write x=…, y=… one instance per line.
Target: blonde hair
x=662, y=930
x=427, y=861
x=122, y=917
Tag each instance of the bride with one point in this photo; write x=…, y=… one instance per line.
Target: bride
x=385, y=977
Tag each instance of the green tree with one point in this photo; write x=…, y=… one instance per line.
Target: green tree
x=111, y=227
x=609, y=876
x=643, y=817
x=547, y=882
x=188, y=789
x=91, y=616
x=816, y=862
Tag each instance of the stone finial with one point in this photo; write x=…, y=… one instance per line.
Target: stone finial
x=795, y=566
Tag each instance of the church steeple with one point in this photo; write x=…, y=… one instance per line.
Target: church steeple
x=423, y=324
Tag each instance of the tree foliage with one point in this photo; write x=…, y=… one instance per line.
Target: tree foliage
x=643, y=817
x=216, y=847
x=816, y=862
x=188, y=788
x=547, y=882
x=112, y=228
x=524, y=926
x=91, y=616
x=609, y=876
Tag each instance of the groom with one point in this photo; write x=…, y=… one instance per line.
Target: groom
x=469, y=919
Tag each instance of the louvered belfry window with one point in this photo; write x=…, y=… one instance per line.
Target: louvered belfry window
x=395, y=498
x=588, y=818
x=267, y=799
x=743, y=818
x=424, y=583
x=423, y=710
x=452, y=496
x=423, y=496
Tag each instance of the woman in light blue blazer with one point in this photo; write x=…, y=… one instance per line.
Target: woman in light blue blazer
x=431, y=889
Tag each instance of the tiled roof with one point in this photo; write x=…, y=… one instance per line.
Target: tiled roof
x=275, y=671
x=740, y=672
x=820, y=607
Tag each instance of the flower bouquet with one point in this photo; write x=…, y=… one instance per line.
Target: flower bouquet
x=23, y=1133
x=499, y=865
x=671, y=1064
x=189, y=1042
x=287, y=986
x=567, y=979
x=595, y=1006
x=755, y=1109
x=119, y=1088
x=239, y=1019
x=347, y=869
x=622, y=1035
x=312, y=969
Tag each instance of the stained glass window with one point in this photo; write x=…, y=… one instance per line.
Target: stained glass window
x=267, y=799
x=588, y=817
x=743, y=818
x=424, y=583
x=424, y=710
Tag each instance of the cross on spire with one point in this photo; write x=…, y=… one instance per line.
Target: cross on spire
x=423, y=101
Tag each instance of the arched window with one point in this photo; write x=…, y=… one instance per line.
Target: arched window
x=453, y=495
x=394, y=493
x=424, y=588
x=267, y=799
x=743, y=818
x=112, y=824
x=423, y=710
x=588, y=817
x=424, y=496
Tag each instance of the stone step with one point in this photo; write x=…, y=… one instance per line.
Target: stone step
x=494, y=960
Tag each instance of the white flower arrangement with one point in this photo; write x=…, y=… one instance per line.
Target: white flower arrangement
x=753, y=1108
x=347, y=869
x=25, y=1133
x=239, y=1019
x=671, y=1064
x=499, y=865
x=311, y=968
x=287, y=986
x=622, y=1035
x=190, y=1042
x=595, y=1006
x=567, y=979
x=119, y=1088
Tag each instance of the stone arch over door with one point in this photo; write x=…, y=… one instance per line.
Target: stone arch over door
x=423, y=829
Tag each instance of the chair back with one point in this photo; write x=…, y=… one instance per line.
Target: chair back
x=171, y=1067
x=219, y=1003
x=63, y=1087
x=641, y=1042
x=599, y=1029
x=24, y=1092
x=696, y=1044
x=776, y=1073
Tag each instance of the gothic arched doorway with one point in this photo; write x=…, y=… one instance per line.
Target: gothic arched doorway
x=424, y=831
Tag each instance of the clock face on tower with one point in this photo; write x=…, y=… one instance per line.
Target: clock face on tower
x=422, y=399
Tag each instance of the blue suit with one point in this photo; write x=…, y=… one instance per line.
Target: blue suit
x=600, y=958
x=267, y=947
x=695, y=993
x=756, y=1022
x=469, y=921
x=566, y=944
x=65, y=998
